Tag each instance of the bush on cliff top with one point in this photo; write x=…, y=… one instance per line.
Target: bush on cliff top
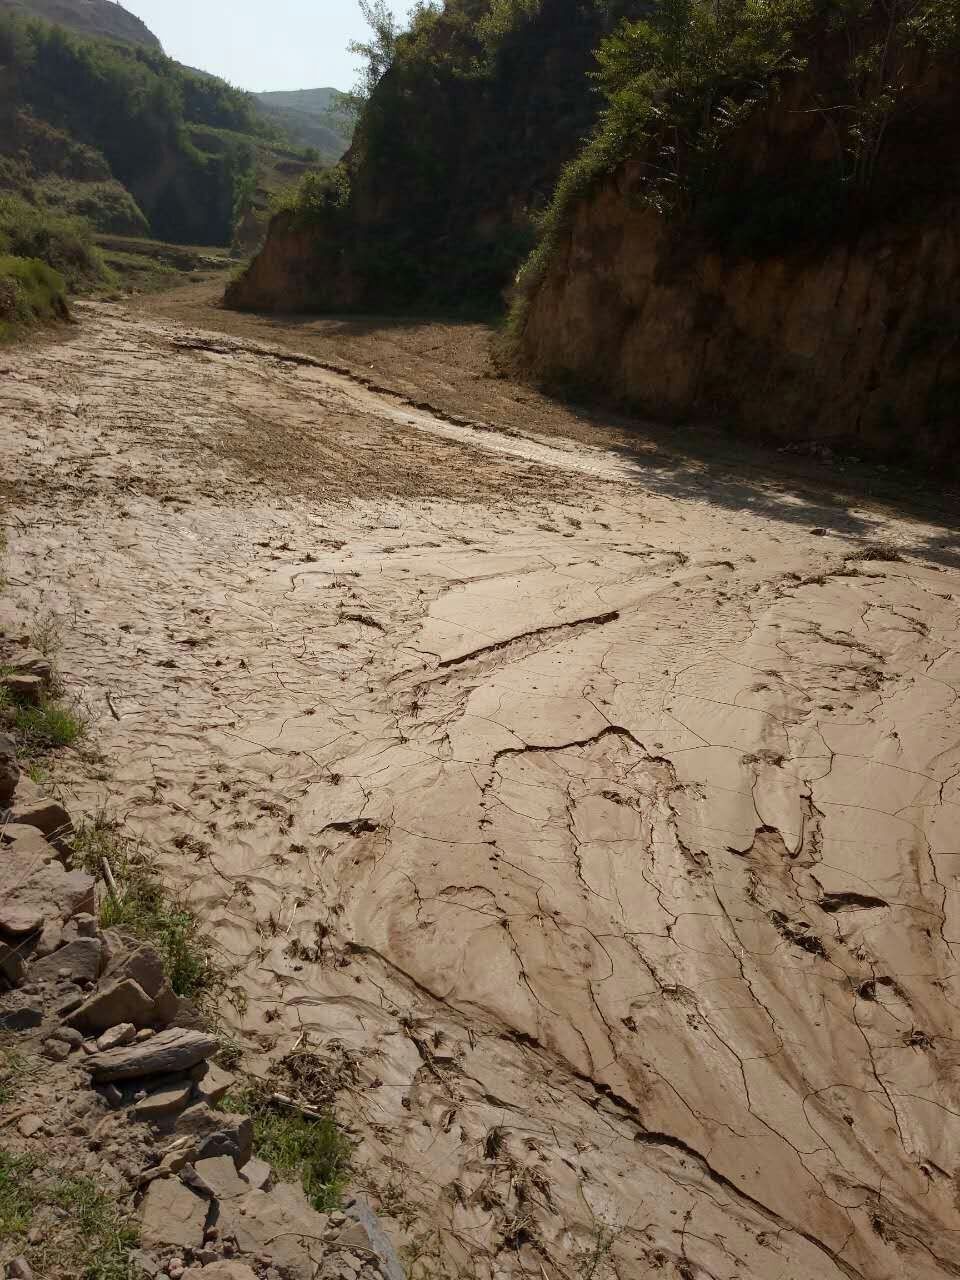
x=681, y=81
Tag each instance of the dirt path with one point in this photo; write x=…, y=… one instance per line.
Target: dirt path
x=598, y=824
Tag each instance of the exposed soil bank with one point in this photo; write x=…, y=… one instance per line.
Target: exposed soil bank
x=597, y=820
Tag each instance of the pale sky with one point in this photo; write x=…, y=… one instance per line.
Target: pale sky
x=260, y=44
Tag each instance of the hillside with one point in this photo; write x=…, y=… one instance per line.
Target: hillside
x=455, y=154
x=309, y=118
x=99, y=18
x=131, y=141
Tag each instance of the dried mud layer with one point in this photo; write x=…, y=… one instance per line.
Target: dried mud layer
x=597, y=825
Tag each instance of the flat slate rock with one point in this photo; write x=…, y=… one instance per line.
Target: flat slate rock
x=218, y=1177
x=177, y=1049
x=171, y=1214
x=164, y=1103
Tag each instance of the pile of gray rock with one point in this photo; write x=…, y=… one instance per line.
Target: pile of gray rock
x=128, y=1093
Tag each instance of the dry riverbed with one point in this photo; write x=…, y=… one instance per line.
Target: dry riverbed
x=595, y=819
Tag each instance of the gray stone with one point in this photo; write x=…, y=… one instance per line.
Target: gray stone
x=171, y=1214
x=9, y=770
x=259, y=1174
x=56, y=1050
x=217, y=1178
x=50, y=939
x=47, y=816
x=19, y=1269
x=218, y=1133
x=124, y=1001
x=68, y=1035
x=143, y=964
x=378, y=1242
x=80, y=959
x=215, y=1083
x=32, y=892
x=86, y=925
x=29, y=1126
x=165, y=1053
x=163, y=1103
x=123, y=1033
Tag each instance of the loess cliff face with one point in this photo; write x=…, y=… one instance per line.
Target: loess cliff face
x=856, y=346
x=781, y=303
x=459, y=147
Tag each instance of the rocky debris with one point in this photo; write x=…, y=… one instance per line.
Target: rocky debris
x=284, y=1227
x=218, y=1178
x=170, y=1051
x=79, y=961
x=9, y=770
x=46, y=816
x=218, y=1133
x=221, y=1271
x=19, y=1269
x=124, y=1001
x=172, y=1214
x=32, y=892
x=120, y=1076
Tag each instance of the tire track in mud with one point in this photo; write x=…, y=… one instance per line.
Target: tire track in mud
x=546, y=814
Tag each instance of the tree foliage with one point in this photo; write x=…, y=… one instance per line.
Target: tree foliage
x=134, y=106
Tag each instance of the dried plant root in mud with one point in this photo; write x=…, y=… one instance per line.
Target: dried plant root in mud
x=593, y=824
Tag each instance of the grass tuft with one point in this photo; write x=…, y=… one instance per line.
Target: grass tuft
x=146, y=908
x=296, y=1146
x=48, y=726
x=84, y=1232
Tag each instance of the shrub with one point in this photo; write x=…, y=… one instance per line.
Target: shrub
x=30, y=293
x=63, y=243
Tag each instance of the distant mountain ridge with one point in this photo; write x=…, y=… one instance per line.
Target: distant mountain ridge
x=310, y=118
x=103, y=18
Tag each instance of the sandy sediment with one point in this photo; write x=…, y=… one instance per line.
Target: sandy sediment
x=599, y=825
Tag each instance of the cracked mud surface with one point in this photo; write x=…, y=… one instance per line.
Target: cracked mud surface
x=602, y=830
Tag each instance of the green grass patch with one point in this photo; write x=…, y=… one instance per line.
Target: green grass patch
x=47, y=727
x=65, y=244
x=31, y=293
x=15, y=1070
x=84, y=1232
x=297, y=1146
x=146, y=907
